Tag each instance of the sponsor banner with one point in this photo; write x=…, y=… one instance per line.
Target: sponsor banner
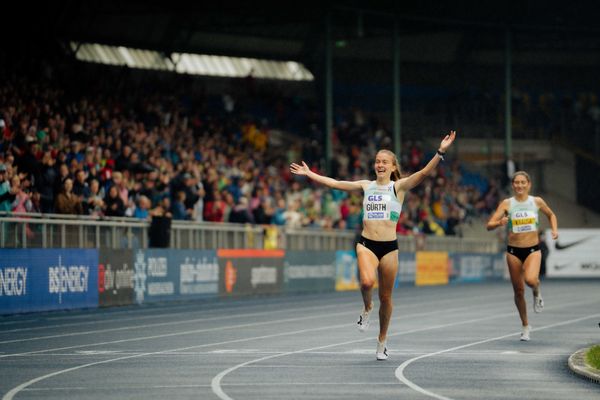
x=407, y=265
x=346, y=270
x=574, y=254
x=309, y=271
x=115, y=277
x=432, y=268
x=47, y=279
x=476, y=267
x=470, y=267
x=163, y=275
x=249, y=271
x=499, y=267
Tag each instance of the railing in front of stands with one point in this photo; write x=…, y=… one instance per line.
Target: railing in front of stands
x=60, y=231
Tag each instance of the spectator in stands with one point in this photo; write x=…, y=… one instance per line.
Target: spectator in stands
x=178, y=209
x=102, y=136
x=122, y=163
x=66, y=201
x=278, y=217
x=6, y=195
x=80, y=186
x=36, y=205
x=377, y=250
x=163, y=208
x=453, y=220
x=93, y=204
x=240, y=213
x=142, y=211
x=46, y=182
x=114, y=206
x=214, y=211
x=198, y=206
x=63, y=174
x=523, y=256
x=22, y=201
x=160, y=223
x=120, y=183
x=354, y=218
x=75, y=154
x=293, y=218
x=26, y=161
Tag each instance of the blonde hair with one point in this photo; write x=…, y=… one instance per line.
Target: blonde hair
x=396, y=173
x=523, y=173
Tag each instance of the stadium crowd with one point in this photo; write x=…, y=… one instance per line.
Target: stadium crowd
x=121, y=148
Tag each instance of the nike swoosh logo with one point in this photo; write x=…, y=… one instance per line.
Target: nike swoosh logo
x=559, y=246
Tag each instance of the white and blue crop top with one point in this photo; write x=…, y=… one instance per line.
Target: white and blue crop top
x=380, y=203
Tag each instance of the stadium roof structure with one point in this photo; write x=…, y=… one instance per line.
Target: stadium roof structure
x=440, y=31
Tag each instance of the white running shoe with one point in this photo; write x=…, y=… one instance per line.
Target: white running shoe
x=382, y=353
x=525, y=333
x=363, y=319
x=538, y=303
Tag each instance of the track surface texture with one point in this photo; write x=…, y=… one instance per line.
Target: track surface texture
x=446, y=342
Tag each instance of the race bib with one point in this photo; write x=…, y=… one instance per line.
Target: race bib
x=376, y=207
x=523, y=221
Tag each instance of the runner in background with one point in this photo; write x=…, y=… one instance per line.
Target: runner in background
x=520, y=214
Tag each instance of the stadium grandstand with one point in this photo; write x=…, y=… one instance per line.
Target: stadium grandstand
x=188, y=113
x=145, y=146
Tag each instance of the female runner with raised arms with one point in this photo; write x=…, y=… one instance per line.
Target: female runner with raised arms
x=377, y=248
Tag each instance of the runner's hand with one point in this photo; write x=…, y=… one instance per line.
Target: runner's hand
x=447, y=141
x=299, y=169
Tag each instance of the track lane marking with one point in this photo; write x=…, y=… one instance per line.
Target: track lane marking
x=400, y=370
x=10, y=395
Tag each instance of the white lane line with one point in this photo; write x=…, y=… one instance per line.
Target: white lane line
x=196, y=331
x=2, y=323
x=170, y=323
x=216, y=381
x=109, y=315
x=400, y=370
x=351, y=353
x=189, y=321
x=211, y=318
x=168, y=314
x=152, y=387
x=179, y=333
x=10, y=395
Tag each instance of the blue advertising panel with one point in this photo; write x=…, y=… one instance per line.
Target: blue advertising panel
x=407, y=266
x=346, y=270
x=499, y=268
x=164, y=275
x=476, y=267
x=470, y=267
x=47, y=279
x=307, y=271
